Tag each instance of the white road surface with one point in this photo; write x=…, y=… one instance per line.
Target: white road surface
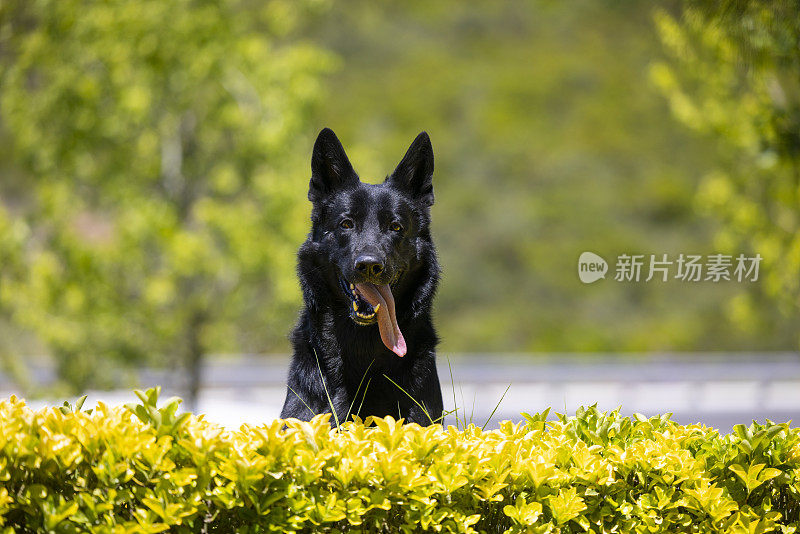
x=719, y=390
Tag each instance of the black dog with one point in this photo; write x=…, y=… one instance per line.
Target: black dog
x=365, y=343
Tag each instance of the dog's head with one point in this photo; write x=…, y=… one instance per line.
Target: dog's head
x=370, y=234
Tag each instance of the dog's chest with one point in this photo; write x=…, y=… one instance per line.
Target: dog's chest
x=361, y=351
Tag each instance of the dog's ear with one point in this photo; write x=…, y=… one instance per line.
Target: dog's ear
x=414, y=174
x=330, y=168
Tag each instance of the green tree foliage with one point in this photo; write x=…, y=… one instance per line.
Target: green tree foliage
x=12, y=234
x=154, y=165
x=734, y=74
x=159, y=155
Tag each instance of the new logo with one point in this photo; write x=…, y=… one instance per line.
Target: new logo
x=591, y=267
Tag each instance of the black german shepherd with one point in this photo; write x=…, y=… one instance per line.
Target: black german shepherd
x=365, y=343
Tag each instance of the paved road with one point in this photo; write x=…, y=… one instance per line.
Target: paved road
x=717, y=389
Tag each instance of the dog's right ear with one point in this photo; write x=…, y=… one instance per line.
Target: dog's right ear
x=330, y=168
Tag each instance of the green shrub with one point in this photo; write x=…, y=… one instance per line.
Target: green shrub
x=142, y=468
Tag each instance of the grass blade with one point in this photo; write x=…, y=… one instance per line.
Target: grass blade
x=364, y=396
x=474, y=396
x=496, y=406
x=357, y=390
x=412, y=398
x=453, y=387
x=301, y=400
x=325, y=387
x=463, y=404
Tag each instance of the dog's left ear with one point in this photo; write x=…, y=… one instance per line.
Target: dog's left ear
x=414, y=174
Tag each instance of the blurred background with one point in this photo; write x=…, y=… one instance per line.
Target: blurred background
x=154, y=165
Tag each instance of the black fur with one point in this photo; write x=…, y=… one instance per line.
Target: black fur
x=327, y=341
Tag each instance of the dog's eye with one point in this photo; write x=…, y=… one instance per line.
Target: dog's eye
x=346, y=223
x=396, y=227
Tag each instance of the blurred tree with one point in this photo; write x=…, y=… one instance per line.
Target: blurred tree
x=161, y=155
x=154, y=165
x=12, y=236
x=549, y=141
x=734, y=75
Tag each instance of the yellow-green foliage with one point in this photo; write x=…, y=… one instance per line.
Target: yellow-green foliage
x=142, y=468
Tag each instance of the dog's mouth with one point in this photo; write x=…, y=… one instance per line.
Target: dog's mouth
x=361, y=311
x=374, y=303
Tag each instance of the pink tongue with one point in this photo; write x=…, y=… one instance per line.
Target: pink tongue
x=387, y=321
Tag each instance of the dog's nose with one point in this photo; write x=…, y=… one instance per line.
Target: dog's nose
x=369, y=265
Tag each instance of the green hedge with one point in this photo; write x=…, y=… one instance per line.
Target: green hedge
x=142, y=468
